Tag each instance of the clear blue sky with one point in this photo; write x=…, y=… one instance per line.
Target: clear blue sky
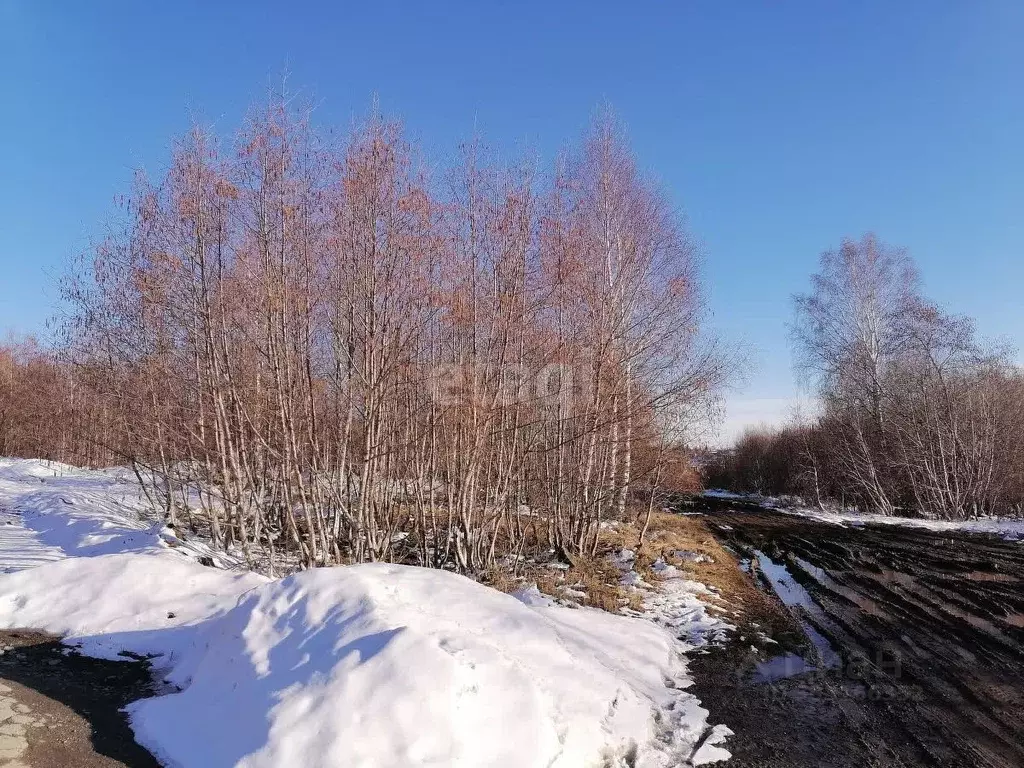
x=778, y=127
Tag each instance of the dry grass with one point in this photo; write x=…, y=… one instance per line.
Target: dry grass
x=734, y=593
x=600, y=580
x=750, y=607
x=597, y=577
x=501, y=580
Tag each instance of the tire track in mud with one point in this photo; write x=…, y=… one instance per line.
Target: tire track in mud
x=930, y=625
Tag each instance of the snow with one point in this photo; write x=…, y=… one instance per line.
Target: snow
x=356, y=666
x=719, y=493
x=360, y=666
x=711, y=750
x=365, y=665
x=50, y=510
x=21, y=547
x=692, y=557
x=678, y=604
x=665, y=570
x=1005, y=527
x=109, y=604
x=1011, y=528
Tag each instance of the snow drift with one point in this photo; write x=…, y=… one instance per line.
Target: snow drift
x=146, y=605
x=358, y=666
x=380, y=665
x=371, y=665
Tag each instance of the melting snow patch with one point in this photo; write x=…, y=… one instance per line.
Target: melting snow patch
x=674, y=603
x=711, y=751
x=692, y=557
x=664, y=570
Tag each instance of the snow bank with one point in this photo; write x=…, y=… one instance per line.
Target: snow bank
x=140, y=604
x=370, y=665
x=380, y=665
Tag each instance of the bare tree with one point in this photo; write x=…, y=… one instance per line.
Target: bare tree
x=315, y=349
x=849, y=329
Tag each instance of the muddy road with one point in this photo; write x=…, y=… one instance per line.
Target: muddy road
x=59, y=709
x=914, y=652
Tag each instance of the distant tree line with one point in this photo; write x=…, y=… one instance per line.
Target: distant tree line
x=916, y=415
x=329, y=351
x=44, y=412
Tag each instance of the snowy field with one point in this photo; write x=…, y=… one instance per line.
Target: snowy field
x=50, y=511
x=358, y=666
x=1006, y=527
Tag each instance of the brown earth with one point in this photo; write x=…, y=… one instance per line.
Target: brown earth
x=62, y=710
x=929, y=631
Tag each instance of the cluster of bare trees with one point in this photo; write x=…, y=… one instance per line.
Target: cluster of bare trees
x=917, y=416
x=329, y=352
x=43, y=410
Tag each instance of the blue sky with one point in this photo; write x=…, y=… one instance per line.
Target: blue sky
x=778, y=127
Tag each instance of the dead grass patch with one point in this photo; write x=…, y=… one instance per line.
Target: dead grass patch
x=734, y=593
x=754, y=610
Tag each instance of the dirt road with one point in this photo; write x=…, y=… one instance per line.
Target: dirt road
x=62, y=710
x=917, y=639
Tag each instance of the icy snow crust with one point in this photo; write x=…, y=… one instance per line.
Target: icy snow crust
x=368, y=665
